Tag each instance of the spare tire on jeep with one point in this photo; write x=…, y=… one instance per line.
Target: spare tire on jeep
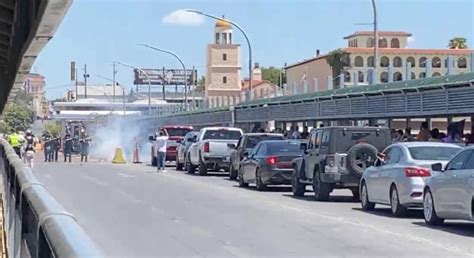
x=361, y=156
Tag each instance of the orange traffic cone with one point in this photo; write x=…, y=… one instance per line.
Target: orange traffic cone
x=136, y=155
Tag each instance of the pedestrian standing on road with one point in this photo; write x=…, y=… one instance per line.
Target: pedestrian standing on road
x=160, y=148
x=67, y=149
x=398, y=136
x=85, y=148
x=30, y=141
x=56, y=148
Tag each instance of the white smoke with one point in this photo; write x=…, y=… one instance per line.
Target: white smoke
x=119, y=133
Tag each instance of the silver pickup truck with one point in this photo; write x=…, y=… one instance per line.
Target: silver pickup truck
x=210, y=149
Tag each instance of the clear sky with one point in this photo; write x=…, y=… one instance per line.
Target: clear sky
x=97, y=32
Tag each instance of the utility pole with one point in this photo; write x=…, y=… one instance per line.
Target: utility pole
x=113, y=81
x=376, y=42
x=164, y=83
x=85, y=81
x=77, y=91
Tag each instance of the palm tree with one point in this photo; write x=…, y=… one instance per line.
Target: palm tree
x=457, y=43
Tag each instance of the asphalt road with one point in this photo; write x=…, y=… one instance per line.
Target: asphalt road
x=131, y=211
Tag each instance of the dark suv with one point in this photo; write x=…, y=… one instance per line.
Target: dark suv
x=336, y=158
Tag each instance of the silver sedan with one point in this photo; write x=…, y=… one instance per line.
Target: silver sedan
x=450, y=193
x=398, y=177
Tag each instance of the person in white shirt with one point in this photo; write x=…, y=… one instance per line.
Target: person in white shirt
x=160, y=148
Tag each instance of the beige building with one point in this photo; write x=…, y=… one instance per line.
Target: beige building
x=224, y=85
x=393, y=57
x=34, y=85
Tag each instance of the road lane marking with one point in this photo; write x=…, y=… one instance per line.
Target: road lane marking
x=95, y=180
x=126, y=176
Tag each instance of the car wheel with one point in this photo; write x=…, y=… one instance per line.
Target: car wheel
x=429, y=211
x=258, y=181
x=297, y=187
x=232, y=172
x=202, y=168
x=190, y=167
x=397, y=209
x=321, y=190
x=364, y=199
x=240, y=178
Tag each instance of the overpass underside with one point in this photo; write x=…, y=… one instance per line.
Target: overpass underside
x=25, y=28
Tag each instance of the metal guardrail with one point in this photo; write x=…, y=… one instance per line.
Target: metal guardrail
x=36, y=224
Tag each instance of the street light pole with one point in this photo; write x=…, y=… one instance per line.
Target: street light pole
x=148, y=79
x=245, y=36
x=376, y=41
x=123, y=91
x=182, y=64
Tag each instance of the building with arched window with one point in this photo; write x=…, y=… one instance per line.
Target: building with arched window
x=394, y=54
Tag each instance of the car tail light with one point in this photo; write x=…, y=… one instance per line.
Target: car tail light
x=417, y=171
x=206, y=147
x=272, y=160
x=330, y=160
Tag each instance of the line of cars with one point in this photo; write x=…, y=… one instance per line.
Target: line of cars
x=437, y=177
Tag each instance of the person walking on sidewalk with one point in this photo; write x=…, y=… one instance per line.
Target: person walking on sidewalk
x=160, y=148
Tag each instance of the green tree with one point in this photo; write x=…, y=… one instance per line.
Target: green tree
x=4, y=127
x=201, y=84
x=272, y=74
x=457, y=43
x=17, y=116
x=337, y=59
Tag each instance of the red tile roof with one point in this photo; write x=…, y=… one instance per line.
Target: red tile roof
x=381, y=33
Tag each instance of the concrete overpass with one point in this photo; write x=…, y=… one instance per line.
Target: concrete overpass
x=26, y=26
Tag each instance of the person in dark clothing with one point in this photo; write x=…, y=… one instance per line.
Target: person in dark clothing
x=47, y=147
x=68, y=142
x=56, y=148
x=305, y=133
x=85, y=147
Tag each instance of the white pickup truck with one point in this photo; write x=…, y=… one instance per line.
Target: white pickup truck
x=210, y=149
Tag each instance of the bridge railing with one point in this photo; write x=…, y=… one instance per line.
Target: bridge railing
x=36, y=224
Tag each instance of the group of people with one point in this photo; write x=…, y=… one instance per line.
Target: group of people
x=425, y=134
x=24, y=145
x=51, y=147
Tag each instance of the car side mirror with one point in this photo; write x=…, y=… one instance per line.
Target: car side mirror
x=231, y=146
x=437, y=167
x=151, y=138
x=245, y=153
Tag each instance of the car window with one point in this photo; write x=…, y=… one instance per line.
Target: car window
x=284, y=148
x=394, y=156
x=255, y=150
x=262, y=150
x=458, y=161
x=254, y=139
x=433, y=152
x=319, y=136
x=469, y=164
x=325, y=140
x=312, y=140
x=221, y=134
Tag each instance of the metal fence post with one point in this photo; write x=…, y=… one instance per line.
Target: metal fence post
x=390, y=73
x=329, y=82
x=341, y=80
x=450, y=62
x=428, y=68
x=355, y=78
x=408, y=71
x=315, y=85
